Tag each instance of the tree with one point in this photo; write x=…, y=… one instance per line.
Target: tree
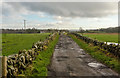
x=81, y=30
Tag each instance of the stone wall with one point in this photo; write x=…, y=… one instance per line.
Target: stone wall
x=17, y=63
x=112, y=48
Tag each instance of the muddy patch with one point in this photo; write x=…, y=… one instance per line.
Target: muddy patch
x=62, y=58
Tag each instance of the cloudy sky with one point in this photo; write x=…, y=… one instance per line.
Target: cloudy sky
x=61, y=15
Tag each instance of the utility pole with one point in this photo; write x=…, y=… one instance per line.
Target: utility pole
x=24, y=24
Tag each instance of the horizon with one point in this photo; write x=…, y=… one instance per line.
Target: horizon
x=60, y=29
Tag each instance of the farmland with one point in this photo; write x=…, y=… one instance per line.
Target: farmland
x=12, y=43
x=109, y=37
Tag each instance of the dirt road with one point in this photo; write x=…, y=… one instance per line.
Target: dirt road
x=70, y=60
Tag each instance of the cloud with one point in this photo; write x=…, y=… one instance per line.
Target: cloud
x=14, y=12
x=61, y=12
x=59, y=25
x=70, y=9
x=58, y=17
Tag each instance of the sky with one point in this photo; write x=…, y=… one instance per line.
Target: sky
x=59, y=15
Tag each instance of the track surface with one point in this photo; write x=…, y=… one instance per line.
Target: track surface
x=70, y=60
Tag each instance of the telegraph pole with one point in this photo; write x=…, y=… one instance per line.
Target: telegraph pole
x=24, y=24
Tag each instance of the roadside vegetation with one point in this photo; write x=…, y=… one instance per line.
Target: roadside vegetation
x=40, y=64
x=106, y=37
x=12, y=43
x=99, y=54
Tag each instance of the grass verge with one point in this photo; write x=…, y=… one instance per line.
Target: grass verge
x=98, y=54
x=39, y=65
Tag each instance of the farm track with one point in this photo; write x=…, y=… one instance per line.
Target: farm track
x=70, y=60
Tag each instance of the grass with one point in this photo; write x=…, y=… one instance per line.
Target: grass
x=39, y=66
x=0, y=44
x=12, y=43
x=98, y=54
x=109, y=37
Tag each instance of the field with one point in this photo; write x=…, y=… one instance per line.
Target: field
x=109, y=37
x=12, y=43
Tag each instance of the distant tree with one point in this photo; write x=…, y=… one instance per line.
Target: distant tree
x=81, y=30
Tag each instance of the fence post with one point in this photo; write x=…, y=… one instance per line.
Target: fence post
x=4, y=66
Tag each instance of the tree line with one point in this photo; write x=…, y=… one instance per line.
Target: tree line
x=101, y=30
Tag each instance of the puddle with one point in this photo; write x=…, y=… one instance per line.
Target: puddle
x=62, y=58
x=81, y=49
x=81, y=53
x=108, y=43
x=67, y=43
x=73, y=74
x=88, y=60
x=81, y=56
x=64, y=47
x=56, y=49
x=96, y=65
x=72, y=48
x=69, y=68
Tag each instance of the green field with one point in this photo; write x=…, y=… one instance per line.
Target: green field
x=12, y=43
x=109, y=37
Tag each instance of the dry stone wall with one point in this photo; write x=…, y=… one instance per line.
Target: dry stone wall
x=17, y=63
x=112, y=48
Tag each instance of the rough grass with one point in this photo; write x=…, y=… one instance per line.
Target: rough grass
x=12, y=43
x=39, y=66
x=109, y=37
x=96, y=53
x=0, y=44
